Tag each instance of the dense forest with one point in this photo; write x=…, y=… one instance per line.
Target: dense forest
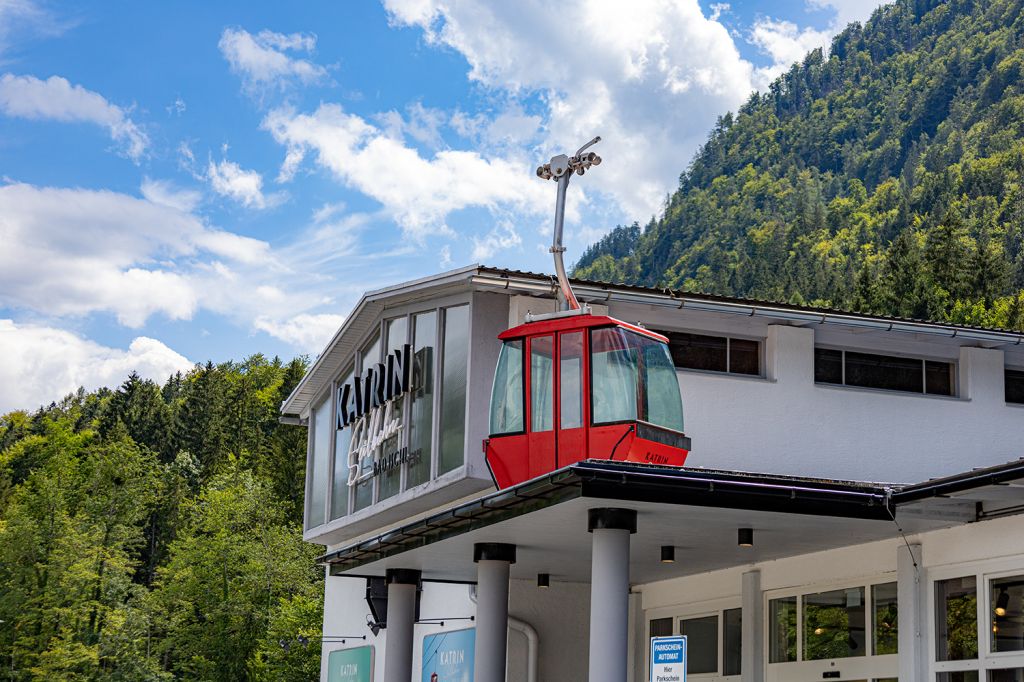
x=154, y=533
x=886, y=177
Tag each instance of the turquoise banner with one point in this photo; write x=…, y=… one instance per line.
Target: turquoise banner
x=448, y=656
x=350, y=665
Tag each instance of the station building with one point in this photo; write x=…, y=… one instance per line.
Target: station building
x=850, y=509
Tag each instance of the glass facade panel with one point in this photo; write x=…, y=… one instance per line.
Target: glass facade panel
x=699, y=351
x=660, y=627
x=570, y=359
x=390, y=481
x=1014, y=386
x=938, y=378
x=834, y=624
x=1007, y=675
x=958, y=676
x=507, y=393
x=782, y=630
x=828, y=366
x=339, y=482
x=732, y=641
x=421, y=422
x=317, y=494
x=364, y=488
x=701, y=644
x=744, y=357
x=454, y=366
x=542, y=380
x=1006, y=604
x=956, y=619
x=884, y=619
x=883, y=371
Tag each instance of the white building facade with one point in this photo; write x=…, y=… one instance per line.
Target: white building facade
x=899, y=577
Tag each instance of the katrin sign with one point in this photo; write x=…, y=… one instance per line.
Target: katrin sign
x=369, y=406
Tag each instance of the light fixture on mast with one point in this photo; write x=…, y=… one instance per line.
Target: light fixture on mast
x=561, y=169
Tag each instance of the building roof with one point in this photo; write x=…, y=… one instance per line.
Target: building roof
x=485, y=278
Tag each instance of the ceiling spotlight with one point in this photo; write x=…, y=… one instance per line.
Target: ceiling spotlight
x=745, y=537
x=543, y=580
x=668, y=554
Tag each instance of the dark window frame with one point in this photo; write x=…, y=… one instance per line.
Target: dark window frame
x=758, y=341
x=924, y=361
x=1007, y=371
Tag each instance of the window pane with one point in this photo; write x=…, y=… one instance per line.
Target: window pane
x=339, y=483
x=507, y=393
x=834, y=624
x=421, y=422
x=453, y=388
x=956, y=619
x=697, y=351
x=782, y=630
x=1006, y=605
x=828, y=366
x=884, y=621
x=1008, y=675
x=938, y=377
x=1014, y=386
x=390, y=481
x=958, y=676
x=614, y=370
x=744, y=357
x=570, y=386
x=317, y=490
x=364, y=488
x=701, y=644
x=663, y=405
x=732, y=637
x=541, y=383
x=884, y=371
x=661, y=627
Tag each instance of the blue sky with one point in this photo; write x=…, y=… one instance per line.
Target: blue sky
x=191, y=181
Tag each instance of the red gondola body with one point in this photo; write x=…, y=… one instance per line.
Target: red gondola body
x=579, y=386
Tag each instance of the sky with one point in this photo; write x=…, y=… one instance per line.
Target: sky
x=193, y=181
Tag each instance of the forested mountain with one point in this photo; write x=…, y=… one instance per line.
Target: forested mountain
x=887, y=177
x=154, y=533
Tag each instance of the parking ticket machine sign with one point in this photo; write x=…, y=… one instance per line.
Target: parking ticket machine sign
x=668, y=659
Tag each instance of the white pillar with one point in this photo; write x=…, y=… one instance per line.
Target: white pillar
x=910, y=596
x=493, y=561
x=402, y=587
x=752, y=628
x=609, y=593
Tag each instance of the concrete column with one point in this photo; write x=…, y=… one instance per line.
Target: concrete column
x=752, y=628
x=609, y=593
x=493, y=560
x=403, y=585
x=910, y=586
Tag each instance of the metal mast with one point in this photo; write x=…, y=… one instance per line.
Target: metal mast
x=561, y=169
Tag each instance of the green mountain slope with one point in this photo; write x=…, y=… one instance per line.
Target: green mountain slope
x=886, y=178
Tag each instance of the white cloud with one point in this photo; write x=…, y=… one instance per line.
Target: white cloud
x=503, y=236
x=848, y=10
x=785, y=43
x=58, y=100
x=261, y=61
x=418, y=192
x=309, y=333
x=165, y=193
x=41, y=364
x=229, y=179
x=21, y=19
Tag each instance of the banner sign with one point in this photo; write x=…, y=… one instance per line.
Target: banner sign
x=350, y=665
x=668, y=659
x=448, y=656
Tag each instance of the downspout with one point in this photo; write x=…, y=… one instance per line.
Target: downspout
x=532, y=639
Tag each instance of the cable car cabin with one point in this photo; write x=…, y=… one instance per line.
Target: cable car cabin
x=580, y=386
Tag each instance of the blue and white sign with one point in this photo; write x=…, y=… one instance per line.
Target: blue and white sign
x=668, y=659
x=448, y=656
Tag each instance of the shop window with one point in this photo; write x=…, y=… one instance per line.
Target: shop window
x=732, y=641
x=958, y=676
x=885, y=372
x=390, y=480
x=421, y=418
x=1006, y=606
x=715, y=353
x=782, y=630
x=317, y=486
x=541, y=383
x=701, y=644
x=660, y=627
x=1007, y=675
x=956, y=619
x=339, y=480
x=885, y=619
x=1015, y=386
x=834, y=624
x=454, y=367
